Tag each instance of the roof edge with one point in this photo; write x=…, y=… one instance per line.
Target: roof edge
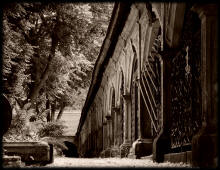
x=118, y=18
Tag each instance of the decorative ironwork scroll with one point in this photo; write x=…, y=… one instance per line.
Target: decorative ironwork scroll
x=150, y=86
x=185, y=85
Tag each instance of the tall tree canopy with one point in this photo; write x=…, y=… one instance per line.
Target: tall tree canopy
x=49, y=50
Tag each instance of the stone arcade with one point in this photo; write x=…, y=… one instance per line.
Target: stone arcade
x=154, y=85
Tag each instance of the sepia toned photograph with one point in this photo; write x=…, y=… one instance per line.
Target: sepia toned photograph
x=109, y=85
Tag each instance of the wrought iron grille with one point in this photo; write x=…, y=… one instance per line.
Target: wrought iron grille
x=150, y=86
x=186, y=85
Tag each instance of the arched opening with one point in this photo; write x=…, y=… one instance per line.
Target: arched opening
x=113, y=116
x=71, y=151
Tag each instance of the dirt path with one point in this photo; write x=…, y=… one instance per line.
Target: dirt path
x=110, y=162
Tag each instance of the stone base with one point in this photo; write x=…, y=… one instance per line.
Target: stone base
x=124, y=149
x=105, y=153
x=140, y=148
x=102, y=154
x=115, y=152
x=108, y=153
x=161, y=146
x=185, y=157
x=204, y=149
x=11, y=161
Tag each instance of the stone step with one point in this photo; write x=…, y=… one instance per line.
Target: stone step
x=12, y=161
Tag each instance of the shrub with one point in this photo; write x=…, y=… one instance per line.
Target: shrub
x=52, y=129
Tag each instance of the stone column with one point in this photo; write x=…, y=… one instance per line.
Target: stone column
x=204, y=143
x=108, y=138
x=115, y=151
x=104, y=138
x=115, y=126
x=162, y=143
x=124, y=148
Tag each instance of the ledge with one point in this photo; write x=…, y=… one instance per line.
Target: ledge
x=30, y=152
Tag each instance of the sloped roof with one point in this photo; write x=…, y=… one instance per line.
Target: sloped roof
x=119, y=16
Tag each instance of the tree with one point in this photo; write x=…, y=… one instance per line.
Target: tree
x=49, y=50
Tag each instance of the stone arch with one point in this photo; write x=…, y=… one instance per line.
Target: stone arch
x=111, y=91
x=105, y=103
x=158, y=9
x=134, y=59
x=120, y=81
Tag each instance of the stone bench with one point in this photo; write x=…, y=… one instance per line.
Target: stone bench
x=30, y=152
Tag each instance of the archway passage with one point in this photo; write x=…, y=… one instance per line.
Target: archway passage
x=72, y=149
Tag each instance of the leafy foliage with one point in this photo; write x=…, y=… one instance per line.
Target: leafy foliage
x=51, y=41
x=49, y=50
x=51, y=129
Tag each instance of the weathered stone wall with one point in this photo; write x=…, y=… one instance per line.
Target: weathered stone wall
x=132, y=112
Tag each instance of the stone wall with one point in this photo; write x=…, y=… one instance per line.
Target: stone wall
x=130, y=107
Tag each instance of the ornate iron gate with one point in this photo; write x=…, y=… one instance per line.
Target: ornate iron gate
x=185, y=86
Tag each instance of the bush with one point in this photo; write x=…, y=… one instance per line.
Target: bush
x=52, y=129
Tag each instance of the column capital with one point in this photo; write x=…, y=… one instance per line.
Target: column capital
x=116, y=109
x=127, y=96
x=108, y=117
x=205, y=10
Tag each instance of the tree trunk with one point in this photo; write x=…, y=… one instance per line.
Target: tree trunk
x=61, y=111
x=53, y=109
x=37, y=108
x=35, y=91
x=48, y=108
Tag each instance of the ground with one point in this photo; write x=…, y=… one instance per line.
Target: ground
x=110, y=162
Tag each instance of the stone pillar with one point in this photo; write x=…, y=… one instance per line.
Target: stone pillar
x=142, y=146
x=124, y=148
x=115, y=125
x=109, y=136
x=204, y=143
x=115, y=150
x=104, y=138
x=162, y=143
